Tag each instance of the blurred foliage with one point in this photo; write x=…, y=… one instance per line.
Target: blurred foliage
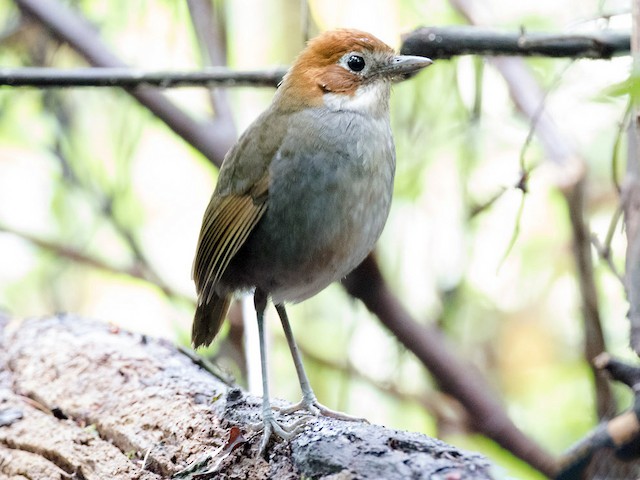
x=93, y=172
x=629, y=87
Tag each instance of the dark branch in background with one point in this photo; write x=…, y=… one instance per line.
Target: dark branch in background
x=209, y=28
x=454, y=376
x=620, y=435
x=129, y=78
x=447, y=42
x=527, y=96
x=434, y=42
x=70, y=27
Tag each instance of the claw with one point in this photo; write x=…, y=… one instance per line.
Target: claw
x=270, y=426
x=311, y=404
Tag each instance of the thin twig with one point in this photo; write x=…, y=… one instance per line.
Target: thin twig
x=524, y=178
x=605, y=253
x=459, y=40
x=612, y=227
x=516, y=230
x=537, y=114
x=128, y=78
x=477, y=209
x=615, y=155
x=207, y=365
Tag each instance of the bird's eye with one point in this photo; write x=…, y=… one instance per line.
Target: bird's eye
x=355, y=63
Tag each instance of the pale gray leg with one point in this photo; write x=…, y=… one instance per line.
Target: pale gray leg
x=309, y=400
x=269, y=423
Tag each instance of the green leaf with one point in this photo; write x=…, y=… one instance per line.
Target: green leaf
x=630, y=86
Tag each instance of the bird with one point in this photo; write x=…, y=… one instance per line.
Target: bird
x=303, y=195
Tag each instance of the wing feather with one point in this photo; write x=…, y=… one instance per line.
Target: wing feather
x=228, y=222
x=219, y=219
x=236, y=207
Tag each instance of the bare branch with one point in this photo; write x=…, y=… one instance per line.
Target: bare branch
x=622, y=128
x=153, y=413
x=605, y=253
x=447, y=42
x=210, y=31
x=129, y=78
x=612, y=445
x=434, y=42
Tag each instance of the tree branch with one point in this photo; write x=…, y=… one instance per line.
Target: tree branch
x=447, y=42
x=433, y=42
x=122, y=406
x=42, y=77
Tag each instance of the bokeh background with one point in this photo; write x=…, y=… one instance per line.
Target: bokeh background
x=95, y=192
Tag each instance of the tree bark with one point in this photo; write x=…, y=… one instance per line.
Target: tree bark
x=80, y=399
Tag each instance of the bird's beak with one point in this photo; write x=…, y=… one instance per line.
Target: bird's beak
x=402, y=67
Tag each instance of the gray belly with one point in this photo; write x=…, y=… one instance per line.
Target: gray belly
x=328, y=203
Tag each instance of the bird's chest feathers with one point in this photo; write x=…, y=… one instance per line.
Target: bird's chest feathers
x=335, y=156
x=332, y=186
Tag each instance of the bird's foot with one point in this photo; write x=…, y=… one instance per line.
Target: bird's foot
x=311, y=404
x=270, y=426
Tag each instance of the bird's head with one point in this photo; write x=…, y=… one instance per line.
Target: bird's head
x=345, y=70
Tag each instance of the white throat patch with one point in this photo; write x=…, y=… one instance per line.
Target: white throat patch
x=370, y=99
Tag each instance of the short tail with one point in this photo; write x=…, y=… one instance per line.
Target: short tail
x=208, y=320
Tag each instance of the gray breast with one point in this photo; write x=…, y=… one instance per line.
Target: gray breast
x=329, y=197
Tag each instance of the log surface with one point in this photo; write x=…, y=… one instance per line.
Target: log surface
x=80, y=399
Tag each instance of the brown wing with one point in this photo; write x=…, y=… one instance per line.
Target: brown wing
x=227, y=223
x=236, y=207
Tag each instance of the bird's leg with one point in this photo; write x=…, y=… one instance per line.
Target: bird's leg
x=269, y=423
x=309, y=400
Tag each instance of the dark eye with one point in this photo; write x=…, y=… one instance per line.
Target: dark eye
x=355, y=63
